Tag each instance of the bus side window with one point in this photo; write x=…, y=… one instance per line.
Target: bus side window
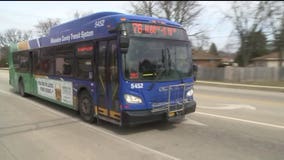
x=35, y=62
x=63, y=66
x=43, y=62
x=84, y=55
x=64, y=58
x=21, y=61
x=85, y=68
x=16, y=61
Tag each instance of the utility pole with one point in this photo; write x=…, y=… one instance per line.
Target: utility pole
x=281, y=55
x=281, y=49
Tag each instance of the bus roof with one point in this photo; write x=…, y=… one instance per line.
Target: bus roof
x=93, y=26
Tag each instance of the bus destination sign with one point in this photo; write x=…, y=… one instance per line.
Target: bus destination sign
x=158, y=31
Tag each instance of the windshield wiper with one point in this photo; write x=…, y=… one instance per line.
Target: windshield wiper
x=180, y=77
x=158, y=75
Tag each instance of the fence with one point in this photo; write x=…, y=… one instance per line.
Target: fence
x=241, y=74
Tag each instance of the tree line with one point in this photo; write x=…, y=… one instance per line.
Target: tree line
x=15, y=35
x=258, y=25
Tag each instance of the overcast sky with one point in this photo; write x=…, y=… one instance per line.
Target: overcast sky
x=26, y=14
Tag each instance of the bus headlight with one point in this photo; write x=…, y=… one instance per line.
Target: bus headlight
x=189, y=93
x=132, y=99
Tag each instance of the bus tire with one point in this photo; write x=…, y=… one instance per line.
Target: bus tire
x=21, y=88
x=86, y=107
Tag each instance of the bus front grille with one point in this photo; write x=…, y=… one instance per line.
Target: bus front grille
x=175, y=101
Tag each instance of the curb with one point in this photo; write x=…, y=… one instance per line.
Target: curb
x=243, y=86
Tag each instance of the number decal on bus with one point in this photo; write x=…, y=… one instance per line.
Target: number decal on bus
x=99, y=23
x=136, y=85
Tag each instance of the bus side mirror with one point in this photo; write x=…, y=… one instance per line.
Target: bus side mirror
x=123, y=39
x=124, y=44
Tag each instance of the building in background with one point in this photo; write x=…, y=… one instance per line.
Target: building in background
x=204, y=59
x=269, y=60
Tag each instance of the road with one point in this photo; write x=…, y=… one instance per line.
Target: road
x=229, y=124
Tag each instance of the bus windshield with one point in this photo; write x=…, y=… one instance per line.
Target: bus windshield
x=152, y=59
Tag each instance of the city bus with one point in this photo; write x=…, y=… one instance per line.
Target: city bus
x=123, y=69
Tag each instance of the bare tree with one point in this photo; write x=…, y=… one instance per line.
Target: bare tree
x=277, y=28
x=4, y=56
x=14, y=36
x=183, y=12
x=9, y=37
x=247, y=18
x=44, y=26
x=147, y=8
x=200, y=41
x=279, y=42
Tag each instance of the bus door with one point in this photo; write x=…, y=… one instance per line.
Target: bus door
x=107, y=80
x=25, y=61
x=31, y=83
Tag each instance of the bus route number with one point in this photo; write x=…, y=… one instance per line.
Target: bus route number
x=136, y=85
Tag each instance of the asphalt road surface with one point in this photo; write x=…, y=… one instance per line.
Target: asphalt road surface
x=229, y=124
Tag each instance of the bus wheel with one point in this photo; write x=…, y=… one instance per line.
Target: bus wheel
x=21, y=88
x=86, y=107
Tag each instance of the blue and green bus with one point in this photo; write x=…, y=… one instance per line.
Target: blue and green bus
x=124, y=69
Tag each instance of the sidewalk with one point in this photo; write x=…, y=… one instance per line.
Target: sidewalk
x=243, y=86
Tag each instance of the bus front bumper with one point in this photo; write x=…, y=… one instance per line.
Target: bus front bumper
x=130, y=118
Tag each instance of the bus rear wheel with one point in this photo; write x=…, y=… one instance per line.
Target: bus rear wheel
x=86, y=107
x=21, y=88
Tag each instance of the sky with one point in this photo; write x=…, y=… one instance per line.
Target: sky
x=25, y=15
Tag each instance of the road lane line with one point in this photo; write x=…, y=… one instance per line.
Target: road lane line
x=229, y=107
x=32, y=102
x=242, y=85
x=242, y=120
x=128, y=141
x=235, y=99
x=5, y=92
x=96, y=128
x=42, y=107
x=192, y=122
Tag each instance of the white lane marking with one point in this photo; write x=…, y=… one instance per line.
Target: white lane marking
x=97, y=129
x=128, y=141
x=5, y=92
x=242, y=120
x=229, y=107
x=34, y=103
x=42, y=107
x=192, y=122
x=243, y=85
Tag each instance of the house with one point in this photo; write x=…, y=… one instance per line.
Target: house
x=204, y=59
x=269, y=60
x=228, y=59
